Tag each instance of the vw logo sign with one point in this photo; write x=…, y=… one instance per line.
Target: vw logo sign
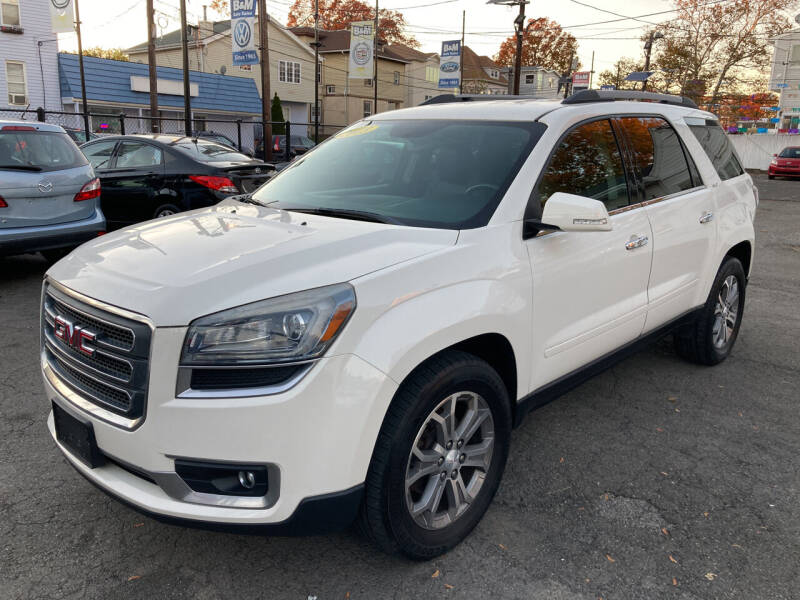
x=60, y=4
x=241, y=33
x=45, y=186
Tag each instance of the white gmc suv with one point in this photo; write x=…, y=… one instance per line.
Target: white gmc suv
x=357, y=339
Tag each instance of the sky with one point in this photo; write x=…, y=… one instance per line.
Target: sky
x=122, y=23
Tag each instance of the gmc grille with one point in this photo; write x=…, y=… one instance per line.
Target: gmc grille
x=114, y=374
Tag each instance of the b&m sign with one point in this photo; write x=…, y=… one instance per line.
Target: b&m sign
x=243, y=35
x=450, y=65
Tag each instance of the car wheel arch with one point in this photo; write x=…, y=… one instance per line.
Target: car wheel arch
x=744, y=252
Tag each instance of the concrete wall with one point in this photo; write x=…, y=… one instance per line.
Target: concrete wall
x=41, y=77
x=756, y=150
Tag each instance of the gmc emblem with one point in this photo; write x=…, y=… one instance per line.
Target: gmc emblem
x=75, y=336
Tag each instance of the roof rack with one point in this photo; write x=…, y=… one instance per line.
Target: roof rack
x=445, y=98
x=586, y=96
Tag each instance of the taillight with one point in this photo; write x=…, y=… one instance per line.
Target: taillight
x=277, y=145
x=3, y=203
x=221, y=184
x=18, y=128
x=88, y=191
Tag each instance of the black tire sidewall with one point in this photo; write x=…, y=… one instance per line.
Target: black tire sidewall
x=171, y=207
x=731, y=266
x=414, y=540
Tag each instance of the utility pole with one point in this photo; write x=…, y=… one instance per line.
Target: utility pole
x=316, y=72
x=568, y=76
x=151, y=59
x=520, y=23
x=375, y=82
x=187, y=100
x=591, y=71
x=83, y=76
x=266, y=126
x=461, y=57
x=648, y=48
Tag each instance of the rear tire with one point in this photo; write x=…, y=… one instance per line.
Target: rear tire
x=166, y=210
x=710, y=339
x=439, y=457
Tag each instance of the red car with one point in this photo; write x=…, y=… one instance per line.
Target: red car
x=786, y=164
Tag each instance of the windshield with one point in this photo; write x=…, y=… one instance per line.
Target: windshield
x=38, y=150
x=790, y=153
x=209, y=151
x=426, y=173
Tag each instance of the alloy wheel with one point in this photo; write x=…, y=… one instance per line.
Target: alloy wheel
x=726, y=312
x=449, y=460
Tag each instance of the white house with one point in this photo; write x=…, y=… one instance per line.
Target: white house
x=785, y=77
x=28, y=56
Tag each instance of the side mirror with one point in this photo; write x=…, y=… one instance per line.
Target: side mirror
x=569, y=212
x=775, y=155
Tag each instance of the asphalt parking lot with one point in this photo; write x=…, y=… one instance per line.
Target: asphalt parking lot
x=657, y=479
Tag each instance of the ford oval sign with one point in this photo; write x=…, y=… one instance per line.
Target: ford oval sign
x=449, y=67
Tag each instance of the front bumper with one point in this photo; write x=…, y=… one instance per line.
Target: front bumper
x=19, y=240
x=318, y=438
x=783, y=171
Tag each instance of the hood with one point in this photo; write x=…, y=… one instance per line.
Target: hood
x=178, y=268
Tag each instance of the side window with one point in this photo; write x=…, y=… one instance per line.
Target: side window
x=658, y=156
x=99, y=154
x=587, y=162
x=135, y=154
x=717, y=146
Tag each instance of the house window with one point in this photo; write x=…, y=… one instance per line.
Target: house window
x=288, y=71
x=368, y=83
x=367, y=108
x=397, y=77
x=431, y=74
x=17, y=88
x=9, y=13
x=428, y=97
x=330, y=89
x=529, y=79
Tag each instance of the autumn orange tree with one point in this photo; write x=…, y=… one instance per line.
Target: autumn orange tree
x=544, y=44
x=338, y=14
x=718, y=43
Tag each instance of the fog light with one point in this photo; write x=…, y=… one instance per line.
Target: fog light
x=247, y=479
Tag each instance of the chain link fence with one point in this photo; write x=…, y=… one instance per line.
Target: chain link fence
x=245, y=135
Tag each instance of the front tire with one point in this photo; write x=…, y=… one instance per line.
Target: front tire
x=166, y=210
x=439, y=457
x=710, y=339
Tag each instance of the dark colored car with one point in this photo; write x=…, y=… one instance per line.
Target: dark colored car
x=785, y=164
x=79, y=135
x=300, y=145
x=221, y=138
x=149, y=176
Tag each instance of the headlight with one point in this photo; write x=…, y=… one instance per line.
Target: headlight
x=288, y=328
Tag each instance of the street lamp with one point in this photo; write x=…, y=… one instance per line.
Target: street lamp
x=648, y=47
x=519, y=28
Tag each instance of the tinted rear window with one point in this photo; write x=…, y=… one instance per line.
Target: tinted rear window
x=46, y=150
x=717, y=146
x=209, y=151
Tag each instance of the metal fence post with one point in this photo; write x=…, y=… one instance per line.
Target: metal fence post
x=239, y=133
x=122, y=123
x=288, y=142
x=40, y=114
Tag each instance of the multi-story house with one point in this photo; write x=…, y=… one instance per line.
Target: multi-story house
x=785, y=78
x=534, y=81
x=291, y=61
x=421, y=77
x=28, y=56
x=481, y=75
x=345, y=100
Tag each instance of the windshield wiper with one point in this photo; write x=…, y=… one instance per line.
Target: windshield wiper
x=346, y=213
x=246, y=199
x=21, y=167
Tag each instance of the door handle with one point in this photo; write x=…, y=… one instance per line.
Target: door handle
x=707, y=217
x=636, y=241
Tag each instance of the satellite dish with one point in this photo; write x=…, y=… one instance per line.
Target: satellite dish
x=223, y=69
x=797, y=18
